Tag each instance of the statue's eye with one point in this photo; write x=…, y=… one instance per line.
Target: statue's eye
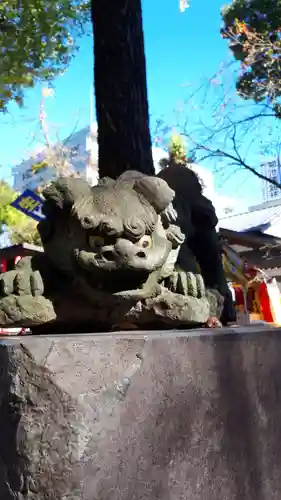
x=96, y=242
x=145, y=242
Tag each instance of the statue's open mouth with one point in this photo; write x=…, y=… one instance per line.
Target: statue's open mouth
x=116, y=281
x=112, y=279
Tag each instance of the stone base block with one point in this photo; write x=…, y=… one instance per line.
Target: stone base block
x=141, y=416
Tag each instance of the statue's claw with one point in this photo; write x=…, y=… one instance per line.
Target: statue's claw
x=186, y=283
x=21, y=282
x=21, y=298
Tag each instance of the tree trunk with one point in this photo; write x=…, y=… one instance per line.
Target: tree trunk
x=120, y=88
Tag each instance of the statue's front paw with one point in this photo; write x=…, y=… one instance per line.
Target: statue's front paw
x=187, y=284
x=25, y=310
x=21, y=282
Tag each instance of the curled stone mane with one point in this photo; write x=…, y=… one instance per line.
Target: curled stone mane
x=114, y=201
x=137, y=228
x=111, y=226
x=62, y=193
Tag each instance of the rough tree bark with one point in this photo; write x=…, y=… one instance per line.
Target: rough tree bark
x=120, y=88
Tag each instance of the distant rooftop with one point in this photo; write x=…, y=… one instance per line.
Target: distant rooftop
x=253, y=220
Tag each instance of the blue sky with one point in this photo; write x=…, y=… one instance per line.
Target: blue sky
x=180, y=48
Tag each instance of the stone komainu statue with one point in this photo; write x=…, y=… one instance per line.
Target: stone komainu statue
x=116, y=255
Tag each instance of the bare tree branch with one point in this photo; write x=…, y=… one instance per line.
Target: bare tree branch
x=218, y=124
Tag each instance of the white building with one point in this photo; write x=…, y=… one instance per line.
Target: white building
x=82, y=152
x=83, y=149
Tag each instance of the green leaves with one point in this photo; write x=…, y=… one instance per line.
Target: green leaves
x=38, y=38
x=177, y=150
x=20, y=227
x=252, y=28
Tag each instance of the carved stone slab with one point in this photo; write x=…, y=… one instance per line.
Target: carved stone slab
x=145, y=415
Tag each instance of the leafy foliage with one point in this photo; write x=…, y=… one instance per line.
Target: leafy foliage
x=177, y=149
x=25, y=233
x=177, y=152
x=253, y=28
x=20, y=227
x=37, y=41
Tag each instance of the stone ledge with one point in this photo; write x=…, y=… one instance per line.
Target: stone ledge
x=141, y=415
x=143, y=334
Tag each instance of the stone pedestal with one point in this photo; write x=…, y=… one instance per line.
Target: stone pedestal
x=141, y=416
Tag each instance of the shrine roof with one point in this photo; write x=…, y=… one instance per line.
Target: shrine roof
x=253, y=220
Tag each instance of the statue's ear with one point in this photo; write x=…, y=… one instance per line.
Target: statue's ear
x=63, y=193
x=106, y=181
x=130, y=176
x=156, y=191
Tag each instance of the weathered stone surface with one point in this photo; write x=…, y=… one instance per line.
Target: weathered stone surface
x=141, y=416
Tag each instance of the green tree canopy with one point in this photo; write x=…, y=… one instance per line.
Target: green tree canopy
x=20, y=227
x=253, y=28
x=37, y=41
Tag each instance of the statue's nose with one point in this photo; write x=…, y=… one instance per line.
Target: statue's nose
x=124, y=247
x=127, y=249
